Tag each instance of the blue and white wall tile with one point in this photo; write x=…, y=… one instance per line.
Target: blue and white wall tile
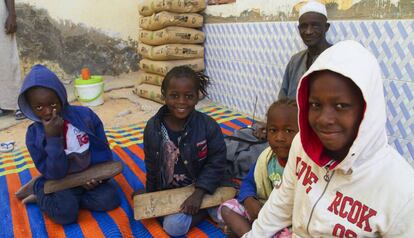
x=247, y=60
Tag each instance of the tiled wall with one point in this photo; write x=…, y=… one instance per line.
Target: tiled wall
x=247, y=60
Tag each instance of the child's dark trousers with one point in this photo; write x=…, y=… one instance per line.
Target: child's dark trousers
x=63, y=206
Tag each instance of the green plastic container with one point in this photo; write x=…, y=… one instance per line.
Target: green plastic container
x=90, y=92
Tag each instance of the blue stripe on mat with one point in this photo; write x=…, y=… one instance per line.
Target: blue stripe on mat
x=136, y=159
x=130, y=177
x=239, y=123
x=137, y=228
x=37, y=223
x=227, y=127
x=108, y=226
x=73, y=230
x=6, y=223
x=211, y=230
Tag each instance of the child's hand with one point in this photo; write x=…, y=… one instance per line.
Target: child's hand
x=10, y=25
x=91, y=184
x=260, y=130
x=54, y=126
x=192, y=204
x=253, y=207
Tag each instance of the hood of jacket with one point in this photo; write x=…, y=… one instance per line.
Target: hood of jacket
x=40, y=76
x=359, y=65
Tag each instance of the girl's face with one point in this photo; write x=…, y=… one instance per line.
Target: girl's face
x=181, y=97
x=336, y=108
x=43, y=101
x=282, y=126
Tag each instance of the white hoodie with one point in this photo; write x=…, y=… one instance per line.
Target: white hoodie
x=369, y=194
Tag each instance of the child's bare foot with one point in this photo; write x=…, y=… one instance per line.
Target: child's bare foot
x=30, y=199
x=228, y=232
x=26, y=190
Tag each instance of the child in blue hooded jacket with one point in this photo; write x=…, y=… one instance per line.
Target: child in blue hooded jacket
x=64, y=139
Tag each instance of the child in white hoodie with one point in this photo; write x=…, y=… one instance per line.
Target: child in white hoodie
x=342, y=178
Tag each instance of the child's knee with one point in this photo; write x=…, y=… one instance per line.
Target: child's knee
x=102, y=198
x=63, y=212
x=177, y=224
x=225, y=212
x=65, y=218
x=110, y=198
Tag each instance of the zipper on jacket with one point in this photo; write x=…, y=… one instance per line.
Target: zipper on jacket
x=186, y=162
x=328, y=179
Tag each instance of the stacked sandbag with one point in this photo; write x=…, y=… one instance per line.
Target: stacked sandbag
x=149, y=7
x=163, y=67
x=169, y=36
x=164, y=19
x=171, y=51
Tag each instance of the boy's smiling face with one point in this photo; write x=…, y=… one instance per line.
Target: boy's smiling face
x=336, y=108
x=42, y=102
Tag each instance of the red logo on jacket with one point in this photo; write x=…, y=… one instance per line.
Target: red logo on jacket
x=304, y=170
x=353, y=211
x=82, y=139
x=202, y=149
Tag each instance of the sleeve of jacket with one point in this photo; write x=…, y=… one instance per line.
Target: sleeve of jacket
x=100, y=133
x=248, y=186
x=284, y=88
x=403, y=223
x=150, y=163
x=276, y=213
x=214, y=168
x=49, y=158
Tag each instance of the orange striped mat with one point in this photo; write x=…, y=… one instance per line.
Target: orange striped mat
x=18, y=220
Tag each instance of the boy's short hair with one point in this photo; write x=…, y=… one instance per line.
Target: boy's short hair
x=283, y=101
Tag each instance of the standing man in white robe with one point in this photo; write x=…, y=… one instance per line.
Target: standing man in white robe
x=9, y=60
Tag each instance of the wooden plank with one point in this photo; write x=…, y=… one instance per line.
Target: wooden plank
x=97, y=172
x=162, y=203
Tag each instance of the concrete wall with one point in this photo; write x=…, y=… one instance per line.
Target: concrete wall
x=117, y=18
x=67, y=35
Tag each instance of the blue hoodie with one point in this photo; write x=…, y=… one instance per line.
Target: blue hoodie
x=48, y=152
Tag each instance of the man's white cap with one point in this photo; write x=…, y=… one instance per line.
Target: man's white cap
x=313, y=6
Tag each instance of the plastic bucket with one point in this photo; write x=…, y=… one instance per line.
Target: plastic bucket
x=90, y=92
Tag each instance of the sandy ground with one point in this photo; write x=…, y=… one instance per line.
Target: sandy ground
x=121, y=108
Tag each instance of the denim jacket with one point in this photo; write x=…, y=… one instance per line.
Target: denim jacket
x=201, y=147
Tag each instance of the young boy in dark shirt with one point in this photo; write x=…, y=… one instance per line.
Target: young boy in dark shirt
x=64, y=139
